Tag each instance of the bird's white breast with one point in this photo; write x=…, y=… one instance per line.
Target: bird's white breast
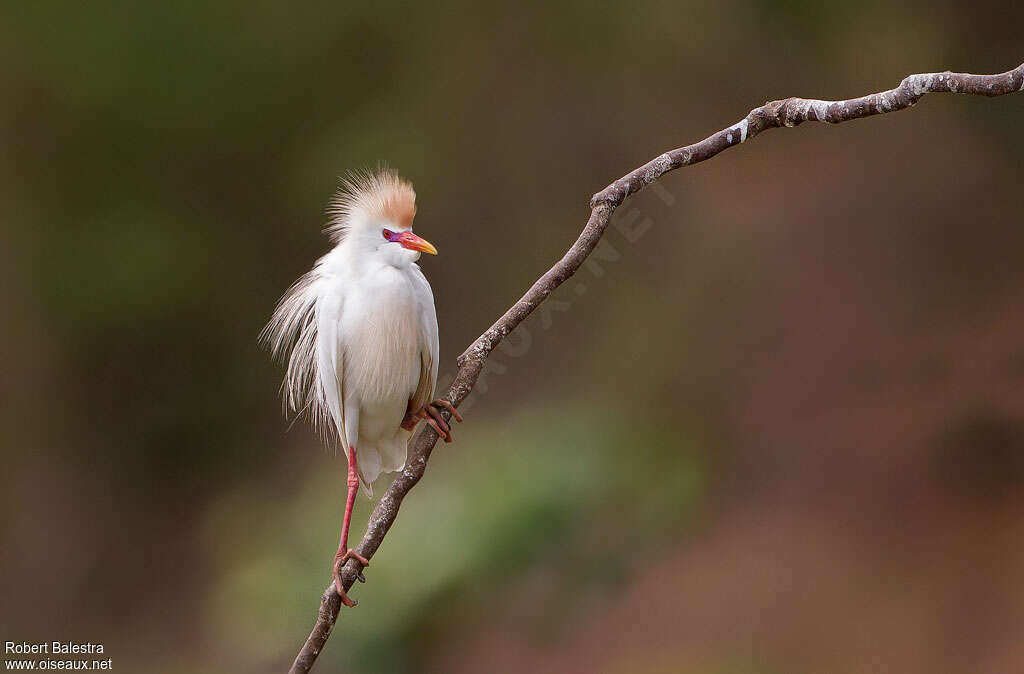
x=380, y=334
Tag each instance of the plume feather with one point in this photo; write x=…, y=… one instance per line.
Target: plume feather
x=291, y=336
x=381, y=195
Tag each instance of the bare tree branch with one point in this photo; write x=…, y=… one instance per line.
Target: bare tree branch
x=786, y=112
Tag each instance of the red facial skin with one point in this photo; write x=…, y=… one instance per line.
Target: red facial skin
x=410, y=241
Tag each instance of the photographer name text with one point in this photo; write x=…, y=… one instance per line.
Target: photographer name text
x=52, y=647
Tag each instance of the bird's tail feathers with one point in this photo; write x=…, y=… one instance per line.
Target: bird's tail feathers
x=369, y=468
x=384, y=458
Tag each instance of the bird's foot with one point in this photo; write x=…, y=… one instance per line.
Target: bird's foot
x=431, y=413
x=339, y=563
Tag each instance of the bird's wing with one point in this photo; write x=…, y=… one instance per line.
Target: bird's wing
x=428, y=341
x=331, y=359
x=424, y=392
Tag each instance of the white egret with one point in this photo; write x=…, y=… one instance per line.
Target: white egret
x=359, y=333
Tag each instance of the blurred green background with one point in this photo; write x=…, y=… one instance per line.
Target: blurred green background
x=776, y=426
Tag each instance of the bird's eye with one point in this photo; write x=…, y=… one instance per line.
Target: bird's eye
x=388, y=234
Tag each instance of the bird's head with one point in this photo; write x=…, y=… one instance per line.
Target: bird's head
x=372, y=215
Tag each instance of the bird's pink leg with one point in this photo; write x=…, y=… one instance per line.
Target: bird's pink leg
x=344, y=554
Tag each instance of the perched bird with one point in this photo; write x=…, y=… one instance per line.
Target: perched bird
x=359, y=334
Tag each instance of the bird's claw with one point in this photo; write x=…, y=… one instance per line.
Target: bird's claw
x=342, y=557
x=431, y=413
x=339, y=564
x=450, y=407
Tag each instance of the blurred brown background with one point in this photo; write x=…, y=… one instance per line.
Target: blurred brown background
x=780, y=430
